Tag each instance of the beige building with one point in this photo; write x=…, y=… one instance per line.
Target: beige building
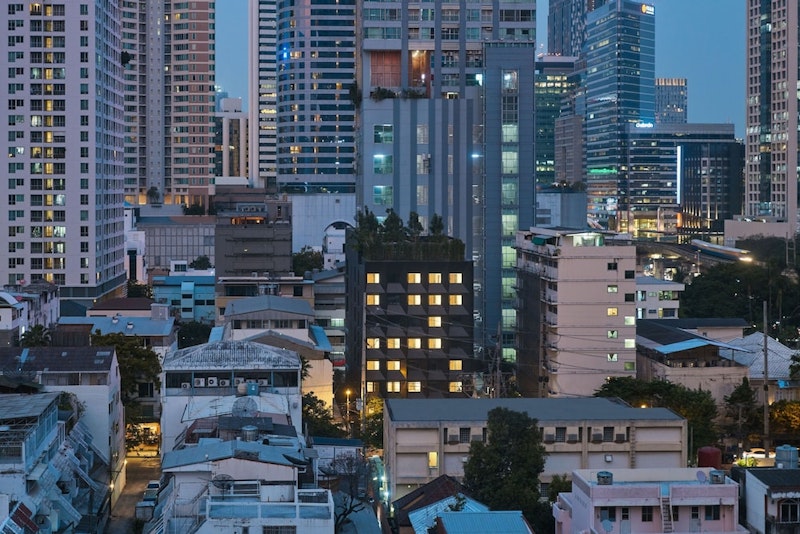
x=424, y=439
x=576, y=313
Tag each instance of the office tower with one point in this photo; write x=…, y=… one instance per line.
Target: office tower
x=577, y=290
x=566, y=25
x=61, y=84
x=671, y=100
x=263, y=97
x=771, y=132
x=169, y=59
x=680, y=175
x=230, y=139
x=620, y=86
x=554, y=81
x=439, y=83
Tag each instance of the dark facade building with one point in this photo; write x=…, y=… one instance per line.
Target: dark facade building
x=410, y=320
x=672, y=99
x=553, y=83
x=566, y=25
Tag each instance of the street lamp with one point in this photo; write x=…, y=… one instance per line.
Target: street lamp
x=347, y=409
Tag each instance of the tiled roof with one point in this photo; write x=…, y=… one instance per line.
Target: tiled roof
x=231, y=355
x=56, y=359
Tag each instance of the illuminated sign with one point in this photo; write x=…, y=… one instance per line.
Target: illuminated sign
x=645, y=125
x=648, y=9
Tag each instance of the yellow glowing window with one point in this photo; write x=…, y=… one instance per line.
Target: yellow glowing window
x=434, y=343
x=434, y=300
x=393, y=365
x=414, y=387
x=434, y=321
x=373, y=342
x=456, y=278
x=414, y=343
x=454, y=387
x=611, y=312
x=370, y=387
x=455, y=365
x=373, y=300
x=393, y=343
x=393, y=387
x=414, y=300
x=455, y=300
x=434, y=278
x=373, y=278
x=433, y=459
x=373, y=365
x=414, y=278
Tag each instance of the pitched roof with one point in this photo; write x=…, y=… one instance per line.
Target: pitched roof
x=548, y=409
x=268, y=302
x=778, y=479
x=665, y=338
x=510, y=522
x=423, y=518
x=231, y=355
x=779, y=356
x=434, y=491
x=130, y=326
x=210, y=450
x=16, y=405
x=56, y=359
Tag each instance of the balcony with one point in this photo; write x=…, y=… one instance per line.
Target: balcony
x=255, y=501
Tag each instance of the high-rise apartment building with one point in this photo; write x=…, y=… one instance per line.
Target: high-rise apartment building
x=62, y=195
x=620, y=86
x=440, y=82
x=554, y=81
x=231, y=139
x=771, y=122
x=168, y=57
x=263, y=96
x=566, y=25
x=672, y=99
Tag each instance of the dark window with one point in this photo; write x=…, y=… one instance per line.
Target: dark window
x=629, y=297
x=630, y=275
x=647, y=514
x=561, y=434
x=608, y=433
x=297, y=291
x=626, y=513
x=612, y=266
x=790, y=511
x=463, y=435
x=146, y=390
x=695, y=512
x=712, y=512
x=608, y=512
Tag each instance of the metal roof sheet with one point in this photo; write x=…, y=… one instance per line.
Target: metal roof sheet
x=231, y=355
x=510, y=522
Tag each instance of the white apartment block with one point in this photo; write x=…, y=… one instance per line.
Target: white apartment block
x=576, y=320
x=657, y=299
x=263, y=97
x=61, y=88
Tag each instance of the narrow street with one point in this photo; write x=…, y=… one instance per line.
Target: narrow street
x=141, y=469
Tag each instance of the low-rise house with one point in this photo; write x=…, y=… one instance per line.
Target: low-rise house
x=657, y=298
x=156, y=331
x=719, y=328
x=190, y=298
x=647, y=499
x=12, y=319
x=750, y=354
x=23, y=307
x=424, y=439
x=416, y=511
x=91, y=376
x=772, y=499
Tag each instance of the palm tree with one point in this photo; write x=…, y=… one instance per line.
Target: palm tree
x=37, y=336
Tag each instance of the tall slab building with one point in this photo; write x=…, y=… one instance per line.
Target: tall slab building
x=62, y=195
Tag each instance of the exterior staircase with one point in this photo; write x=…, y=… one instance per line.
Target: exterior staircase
x=666, y=515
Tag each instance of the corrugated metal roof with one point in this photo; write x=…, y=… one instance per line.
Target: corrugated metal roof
x=268, y=302
x=510, y=522
x=779, y=356
x=211, y=450
x=130, y=326
x=423, y=518
x=15, y=405
x=554, y=409
x=231, y=355
x=57, y=359
x=321, y=338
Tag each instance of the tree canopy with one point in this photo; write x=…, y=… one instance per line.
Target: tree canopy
x=193, y=333
x=36, y=336
x=503, y=473
x=373, y=423
x=318, y=418
x=307, y=259
x=137, y=290
x=696, y=405
x=137, y=363
x=201, y=263
x=743, y=415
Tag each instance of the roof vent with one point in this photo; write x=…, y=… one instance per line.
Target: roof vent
x=129, y=326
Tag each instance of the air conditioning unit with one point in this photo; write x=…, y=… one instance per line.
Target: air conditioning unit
x=597, y=438
x=620, y=438
x=238, y=380
x=572, y=438
x=199, y=382
x=224, y=382
x=263, y=381
x=549, y=438
x=186, y=385
x=212, y=381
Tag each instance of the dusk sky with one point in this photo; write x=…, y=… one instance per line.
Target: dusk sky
x=702, y=40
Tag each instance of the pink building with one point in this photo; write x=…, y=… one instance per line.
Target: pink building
x=621, y=501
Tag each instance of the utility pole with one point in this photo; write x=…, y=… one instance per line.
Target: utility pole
x=766, y=386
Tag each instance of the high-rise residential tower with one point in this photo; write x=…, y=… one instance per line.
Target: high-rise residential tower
x=566, y=25
x=263, y=93
x=672, y=99
x=620, y=86
x=62, y=195
x=169, y=58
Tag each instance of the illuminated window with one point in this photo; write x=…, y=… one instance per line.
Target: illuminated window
x=433, y=459
x=414, y=387
x=373, y=278
x=629, y=366
x=630, y=320
x=612, y=356
x=455, y=278
x=455, y=365
x=630, y=343
x=393, y=387
x=455, y=300
x=373, y=342
x=434, y=321
x=434, y=278
x=434, y=300
x=434, y=343
x=393, y=365
x=373, y=300
x=414, y=278
x=612, y=334
x=373, y=365
x=454, y=387
x=611, y=312
x=393, y=343
x=370, y=387
x=613, y=289
x=414, y=300
x=414, y=343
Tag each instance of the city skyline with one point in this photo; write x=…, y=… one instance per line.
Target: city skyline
x=710, y=53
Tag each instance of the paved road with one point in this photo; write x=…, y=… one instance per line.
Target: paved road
x=140, y=471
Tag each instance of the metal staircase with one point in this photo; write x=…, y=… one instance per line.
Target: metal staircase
x=666, y=515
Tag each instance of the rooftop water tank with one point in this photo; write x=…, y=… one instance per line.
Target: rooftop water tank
x=786, y=457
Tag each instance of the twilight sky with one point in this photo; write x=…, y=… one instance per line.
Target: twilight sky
x=702, y=40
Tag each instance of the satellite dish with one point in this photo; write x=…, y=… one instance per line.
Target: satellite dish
x=244, y=407
x=701, y=476
x=223, y=481
x=608, y=526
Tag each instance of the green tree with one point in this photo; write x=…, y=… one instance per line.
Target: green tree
x=559, y=484
x=784, y=418
x=307, y=259
x=373, y=423
x=415, y=227
x=742, y=412
x=201, y=263
x=193, y=333
x=318, y=418
x=392, y=228
x=36, y=336
x=697, y=406
x=437, y=225
x=503, y=473
x=137, y=364
x=137, y=290
x=794, y=367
